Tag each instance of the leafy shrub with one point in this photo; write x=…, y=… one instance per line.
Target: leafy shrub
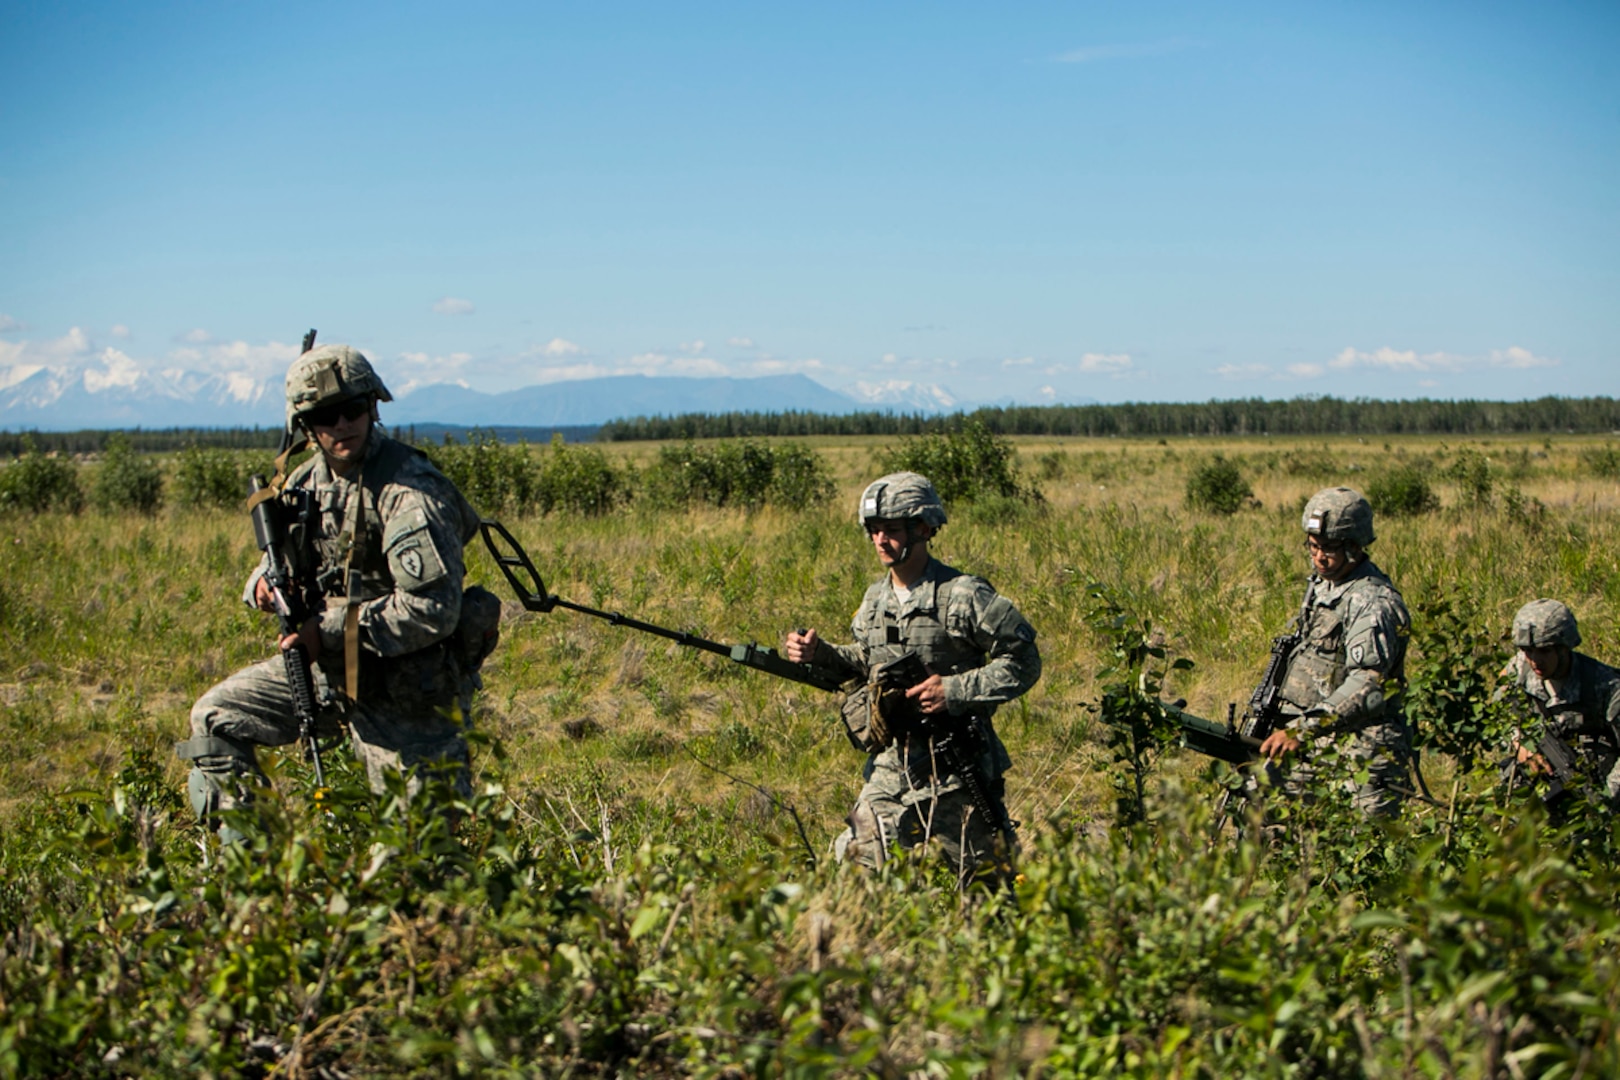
x=740, y=472
x=579, y=480
x=1218, y=487
x=967, y=463
x=205, y=477
x=37, y=482
x=1602, y=460
x=1137, y=725
x=493, y=475
x=1451, y=671
x=127, y=480
x=1402, y=492
x=1476, y=484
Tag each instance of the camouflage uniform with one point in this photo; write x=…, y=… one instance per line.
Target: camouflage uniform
x=1353, y=642
x=414, y=684
x=985, y=653
x=1583, y=707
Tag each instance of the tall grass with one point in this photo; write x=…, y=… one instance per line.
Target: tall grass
x=637, y=896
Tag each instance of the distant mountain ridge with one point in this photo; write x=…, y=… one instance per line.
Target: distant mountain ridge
x=69, y=399
x=595, y=401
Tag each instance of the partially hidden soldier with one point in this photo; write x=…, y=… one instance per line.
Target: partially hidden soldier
x=936, y=651
x=394, y=642
x=1350, y=659
x=1575, y=698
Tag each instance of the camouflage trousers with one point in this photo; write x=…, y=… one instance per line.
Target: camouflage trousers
x=254, y=707
x=1381, y=749
x=894, y=809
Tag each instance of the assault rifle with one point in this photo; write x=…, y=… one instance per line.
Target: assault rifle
x=1563, y=777
x=531, y=592
x=955, y=740
x=289, y=598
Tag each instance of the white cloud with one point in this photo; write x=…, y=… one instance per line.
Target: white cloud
x=1018, y=361
x=1087, y=54
x=453, y=305
x=1409, y=361
x=1048, y=392
x=8, y=324
x=653, y=363
x=119, y=331
x=771, y=365
x=1238, y=372
x=197, y=336
x=559, y=347
x=693, y=347
x=1307, y=370
x=740, y=342
x=1105, y=363
x=120, y=371
x=1515, y=357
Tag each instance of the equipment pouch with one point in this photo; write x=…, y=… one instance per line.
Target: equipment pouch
x=863, y=723
x=478, y=630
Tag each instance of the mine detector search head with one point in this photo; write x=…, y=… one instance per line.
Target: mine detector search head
x=522, y=575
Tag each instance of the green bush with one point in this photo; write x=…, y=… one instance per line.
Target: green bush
x=1218, y=487
x=37, y=482
x=1451, y=672
x=578, y=480
x=205, y=477
x=1402, y=492
x=1602, y=460
x=126, y=480
x=1476, y=483
x=741, y=472
x=494, y=476
x=967, y=463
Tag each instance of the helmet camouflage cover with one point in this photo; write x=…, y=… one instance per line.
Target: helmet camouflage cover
x=1541, y=623
x=1339, y=514
x=329, y=375
x=901, y=495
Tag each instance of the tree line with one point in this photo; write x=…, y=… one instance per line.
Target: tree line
x=1249, y=416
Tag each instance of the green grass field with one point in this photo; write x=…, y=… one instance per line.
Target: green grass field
x=651, y=801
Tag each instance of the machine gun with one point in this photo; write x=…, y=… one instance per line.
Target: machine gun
x=531, y=592
x=955, y=740
x=290, y=598
x=1239, y=742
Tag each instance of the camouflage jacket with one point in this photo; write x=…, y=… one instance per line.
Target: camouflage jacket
x=1353, y=642
x=1582, y=707
x=972, y=637
x=415, y=524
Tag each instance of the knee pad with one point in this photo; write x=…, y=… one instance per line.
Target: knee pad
x=866, y=841
x=204, y=792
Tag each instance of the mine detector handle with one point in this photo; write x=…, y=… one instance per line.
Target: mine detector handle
x=521, y=574
x=270, y=534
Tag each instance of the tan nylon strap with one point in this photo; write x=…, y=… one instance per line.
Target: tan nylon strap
x=279, y=480
x=351, y=610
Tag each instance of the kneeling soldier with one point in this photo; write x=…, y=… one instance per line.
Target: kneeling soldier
x=380, y=557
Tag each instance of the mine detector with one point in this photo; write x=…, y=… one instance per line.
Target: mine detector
x=531, y=592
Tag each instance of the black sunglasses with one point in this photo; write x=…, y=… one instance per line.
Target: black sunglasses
x=353, y=409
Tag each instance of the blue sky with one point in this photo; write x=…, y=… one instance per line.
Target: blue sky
x=1042, y=202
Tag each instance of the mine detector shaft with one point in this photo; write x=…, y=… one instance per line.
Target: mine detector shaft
x=531, y=592
x=953, y=743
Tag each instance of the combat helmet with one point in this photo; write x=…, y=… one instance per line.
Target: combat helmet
x=901, y=495
x=1543, y=623
x=330, y=375
x=1339, y=514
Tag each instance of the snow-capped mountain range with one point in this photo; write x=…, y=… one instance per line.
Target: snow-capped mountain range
x=114, y=392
